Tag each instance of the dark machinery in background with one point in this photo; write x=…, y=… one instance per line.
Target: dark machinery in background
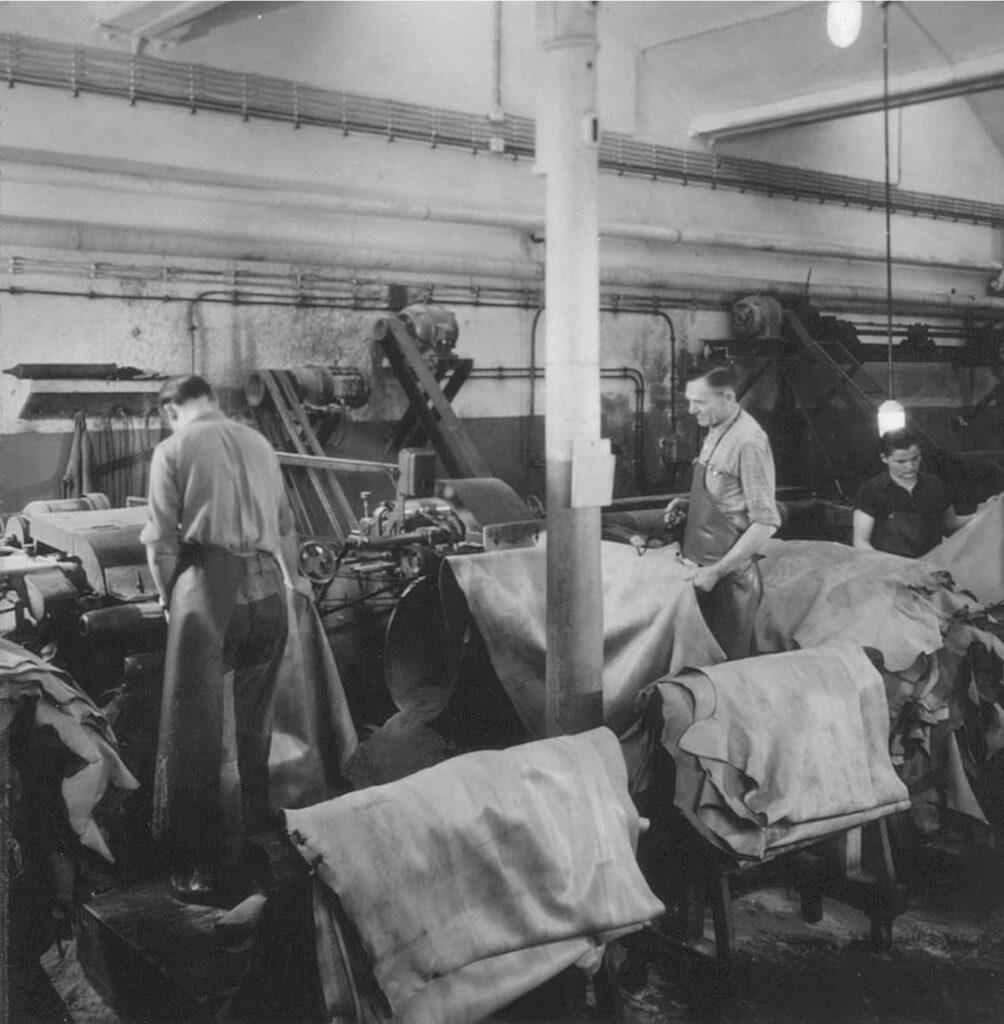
x=79, y=594
x=822, y=426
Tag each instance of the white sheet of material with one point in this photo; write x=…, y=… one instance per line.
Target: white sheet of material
x=475, y=880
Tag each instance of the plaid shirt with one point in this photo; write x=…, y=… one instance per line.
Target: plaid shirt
x=740, y=471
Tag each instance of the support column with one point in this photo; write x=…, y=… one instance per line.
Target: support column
x=567, y=152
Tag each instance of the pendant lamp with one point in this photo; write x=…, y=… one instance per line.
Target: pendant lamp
x=843, y=21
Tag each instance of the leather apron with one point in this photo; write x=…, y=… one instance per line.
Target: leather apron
x=197, y=798
x=730, y=607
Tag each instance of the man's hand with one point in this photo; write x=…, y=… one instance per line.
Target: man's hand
x=676, y=511
x=704, y=578
x=301, y=585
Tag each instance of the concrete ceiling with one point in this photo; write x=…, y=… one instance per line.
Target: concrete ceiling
x=731, y=68
x=756, y=65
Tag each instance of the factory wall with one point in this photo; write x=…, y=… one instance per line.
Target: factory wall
x=137, y=210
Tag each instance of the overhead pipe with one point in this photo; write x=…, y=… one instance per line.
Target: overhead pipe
x=785, y=247
x=345, y=265
x=726, y=290
x=148, y=179
x=720, y=295
x=79, y=236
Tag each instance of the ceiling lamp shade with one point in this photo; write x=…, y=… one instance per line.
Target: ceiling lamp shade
x=891, y=416
x=843, y=21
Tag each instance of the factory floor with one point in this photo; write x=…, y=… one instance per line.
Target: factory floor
x=946, y=965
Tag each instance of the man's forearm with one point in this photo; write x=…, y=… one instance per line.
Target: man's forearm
x=162, y=569
x=750, y=541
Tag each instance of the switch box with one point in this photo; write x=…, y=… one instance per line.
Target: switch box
x=417, y=468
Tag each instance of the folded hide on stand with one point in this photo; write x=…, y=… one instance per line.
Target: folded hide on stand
x=779, y=749
x=474, y=881
x=942, y=661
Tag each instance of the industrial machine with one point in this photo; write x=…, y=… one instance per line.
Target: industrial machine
x=76, y=572
x=366, y=552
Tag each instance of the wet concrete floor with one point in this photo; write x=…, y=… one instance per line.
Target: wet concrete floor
x=946, y=965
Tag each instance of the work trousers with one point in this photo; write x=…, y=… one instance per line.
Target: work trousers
x=225, y=641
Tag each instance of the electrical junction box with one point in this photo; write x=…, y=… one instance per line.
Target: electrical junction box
x=417, y=468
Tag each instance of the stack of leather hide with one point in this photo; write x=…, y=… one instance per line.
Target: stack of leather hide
x=474, y=881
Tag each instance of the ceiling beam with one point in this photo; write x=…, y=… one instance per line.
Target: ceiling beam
x=962, y=79
x=164, y=22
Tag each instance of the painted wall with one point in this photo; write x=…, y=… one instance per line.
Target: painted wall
x=151, y=206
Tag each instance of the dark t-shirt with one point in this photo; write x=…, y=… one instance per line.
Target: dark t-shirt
x=906, y=522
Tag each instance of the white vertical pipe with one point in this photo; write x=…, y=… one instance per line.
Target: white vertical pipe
x=568, y=156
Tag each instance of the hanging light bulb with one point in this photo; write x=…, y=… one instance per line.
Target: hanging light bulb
x=843, y=21
x=891, y=416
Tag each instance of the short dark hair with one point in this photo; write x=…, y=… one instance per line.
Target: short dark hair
x=179, y=390
x=719, y=376
x=897, y=440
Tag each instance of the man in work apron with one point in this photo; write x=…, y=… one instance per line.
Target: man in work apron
x=731, y=511
x=228, y=628
x=218, y=522
x=730, y=607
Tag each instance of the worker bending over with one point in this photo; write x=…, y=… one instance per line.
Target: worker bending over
x=903, y=511
x=731, y=512
x=218, y=516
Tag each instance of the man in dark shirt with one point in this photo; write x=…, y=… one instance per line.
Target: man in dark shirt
x=903, y=511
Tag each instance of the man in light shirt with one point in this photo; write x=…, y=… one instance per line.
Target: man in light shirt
x=731, y=512
x=218, y=520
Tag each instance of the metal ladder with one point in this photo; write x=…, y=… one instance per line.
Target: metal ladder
x=320, y=506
